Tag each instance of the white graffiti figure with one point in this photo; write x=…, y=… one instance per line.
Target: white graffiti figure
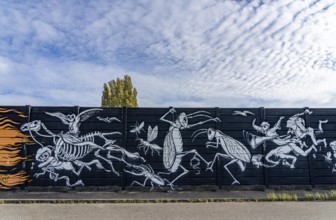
x=296, y=126
x=173, y=144
x=70, y=149
x=292, y=142
x=137, y=128
x=329, y=155
x=50, y=164
x=74, y=121
x=242, y=113
x=234, y=151
x=256, y=161
x=151, y=136
x=270, y=134
x=148, y=172
x=107, y=119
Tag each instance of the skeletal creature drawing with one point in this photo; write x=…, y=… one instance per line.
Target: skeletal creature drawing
x=70, y=149
x=73, y=120
x=234, y=151
x=173, y=143
x=146, y=144
x=243, y=113
x=67, y=152
x=293, y=141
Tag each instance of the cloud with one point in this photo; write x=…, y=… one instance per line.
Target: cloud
x=213, y=53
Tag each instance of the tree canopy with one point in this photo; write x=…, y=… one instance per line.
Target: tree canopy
x=119, y=93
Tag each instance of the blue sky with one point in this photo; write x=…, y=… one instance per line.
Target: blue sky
x=179, y=53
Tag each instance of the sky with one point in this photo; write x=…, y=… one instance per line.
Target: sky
x=182, y=53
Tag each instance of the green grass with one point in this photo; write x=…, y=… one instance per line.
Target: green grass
x=270, y=197
x=281, y=197
x=320, y=196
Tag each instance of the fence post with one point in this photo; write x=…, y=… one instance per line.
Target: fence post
x=218, y=127
x=124, y=121
x=77, y=109
x=28, y=112
x=263, y=150
x=310, y=157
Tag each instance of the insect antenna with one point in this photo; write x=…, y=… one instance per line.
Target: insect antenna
x=201, y=132
x=198, y=112
x=201, y=129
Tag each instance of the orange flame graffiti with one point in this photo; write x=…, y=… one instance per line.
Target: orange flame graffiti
x=11, y=142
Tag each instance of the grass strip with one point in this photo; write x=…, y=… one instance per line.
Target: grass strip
x=270, y=197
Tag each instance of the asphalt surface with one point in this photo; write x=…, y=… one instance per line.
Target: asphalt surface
x=228, y=210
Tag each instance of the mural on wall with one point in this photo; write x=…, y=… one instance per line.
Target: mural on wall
x=242, y=113
x=290, y=146
x=147, y=144
x=146, y=170
x=173, y=152
x=234, y=151
x=12, y=142
x=62, y=156
x=67, y=150
x=330, y=157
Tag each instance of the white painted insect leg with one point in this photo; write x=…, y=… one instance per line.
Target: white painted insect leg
x=152, y=186
x=67, y=181
x=165, y=173
x=98, y=165
x=227, y=169
x=185, y=171
x=109, y=156
x=210, y=165
x=141, y=184
x=106, y=160
x=79, y=170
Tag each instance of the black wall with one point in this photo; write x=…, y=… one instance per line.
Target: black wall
x=315, y=168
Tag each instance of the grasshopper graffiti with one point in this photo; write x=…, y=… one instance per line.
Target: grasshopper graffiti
x=163, y=148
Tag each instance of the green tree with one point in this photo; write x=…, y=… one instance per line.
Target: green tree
x=119, y=93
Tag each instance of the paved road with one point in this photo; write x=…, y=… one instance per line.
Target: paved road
x=225, y=210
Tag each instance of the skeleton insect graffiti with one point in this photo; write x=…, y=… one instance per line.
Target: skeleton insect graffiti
x=234, y=151
x=151, y=136
x=173, y=144
x=70, y=149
